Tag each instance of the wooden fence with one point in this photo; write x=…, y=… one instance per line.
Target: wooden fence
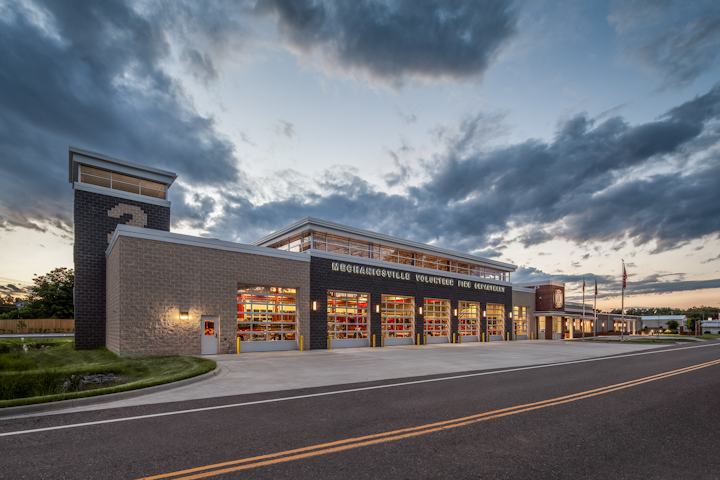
x=38, y=325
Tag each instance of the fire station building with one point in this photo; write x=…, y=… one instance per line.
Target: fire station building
x=143, y=290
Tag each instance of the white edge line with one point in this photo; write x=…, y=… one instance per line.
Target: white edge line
x=299, y=397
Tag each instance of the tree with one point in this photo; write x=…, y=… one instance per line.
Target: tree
x=6, y=304
x=672, y=324
x=51, y=296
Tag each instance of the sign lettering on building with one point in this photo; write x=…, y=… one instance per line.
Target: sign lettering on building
x=387, y=273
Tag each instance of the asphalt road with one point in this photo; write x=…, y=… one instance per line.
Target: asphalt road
x=641, y=416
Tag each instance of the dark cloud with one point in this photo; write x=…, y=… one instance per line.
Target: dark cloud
x=285, y=128
x=611, y=286
x=711, y=259
x=200, y=65
x=401, y=171
x=584, y=185
x=407, y=118
x=593, y=182
x=395, y=40
x=676, y=39
x=195, y=210
x=14, y=290
x=90, y=75
x=246, y=138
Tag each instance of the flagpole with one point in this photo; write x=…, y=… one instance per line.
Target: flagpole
x=622, y=309
x=595, y=313
x=582, y=322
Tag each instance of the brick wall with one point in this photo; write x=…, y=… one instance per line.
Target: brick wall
x=323, y=278
x=112, y=298
x=544, y=298
x=95, y=217
x=155, y=278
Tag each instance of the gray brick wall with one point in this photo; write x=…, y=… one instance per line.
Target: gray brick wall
x=92, y=224
x=156, y=278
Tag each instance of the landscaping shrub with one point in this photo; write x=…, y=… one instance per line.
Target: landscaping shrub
x=41, y=383
x=41, y=370
x=16, y=362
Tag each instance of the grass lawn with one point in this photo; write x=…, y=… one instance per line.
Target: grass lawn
x=51, y=370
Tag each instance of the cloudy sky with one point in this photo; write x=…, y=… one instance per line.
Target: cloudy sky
x=560, y=136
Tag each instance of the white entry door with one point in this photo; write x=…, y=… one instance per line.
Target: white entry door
x=209, y=343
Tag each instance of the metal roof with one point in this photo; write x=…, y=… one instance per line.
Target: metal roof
x=86, y=157
x=361, y=234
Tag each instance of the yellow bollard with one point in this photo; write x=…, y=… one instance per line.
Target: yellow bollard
x=460, y=338
x=383, y=340
x=301, y=343
x=418, y=339
x=425, y=339
x=454, y=338
x=508, y=336
x=238, y=342
x=329, y=343
x=483, y=337
x=532, y=335
x=373, y=341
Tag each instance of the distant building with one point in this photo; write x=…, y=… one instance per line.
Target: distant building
x=20, y=304
x=710, y=326
x=661, y=321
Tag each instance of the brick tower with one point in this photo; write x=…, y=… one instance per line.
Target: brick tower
x=108, y=192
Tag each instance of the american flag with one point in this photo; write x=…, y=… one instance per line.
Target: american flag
x=624, y=277
x=583, y=284
x=596, y=287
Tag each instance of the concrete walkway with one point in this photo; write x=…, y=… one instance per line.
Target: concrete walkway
x=277, y=371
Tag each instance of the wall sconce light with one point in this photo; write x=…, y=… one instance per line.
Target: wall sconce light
x=603, y=324
x=456, y=312
x=420, y=310
x=184, y=315
x=377, y=308
x=484, y=315
x=510, y=313
x=314, y=306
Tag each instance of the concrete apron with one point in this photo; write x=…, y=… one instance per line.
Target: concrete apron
x=277, y=371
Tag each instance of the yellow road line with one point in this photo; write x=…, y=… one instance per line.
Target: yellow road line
x=347, y=444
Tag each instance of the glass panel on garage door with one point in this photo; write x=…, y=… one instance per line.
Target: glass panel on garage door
x=437, y=317
x=520, y=322
x=398, y=316
x=347, y=315
x=266, y=313
x=468, y=318
x=495, y=319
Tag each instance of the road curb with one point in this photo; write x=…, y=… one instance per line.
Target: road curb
x=109, y=397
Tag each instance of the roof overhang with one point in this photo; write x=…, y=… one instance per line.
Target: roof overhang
x=540, y=283
x=79, y=156
x=374, y=237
